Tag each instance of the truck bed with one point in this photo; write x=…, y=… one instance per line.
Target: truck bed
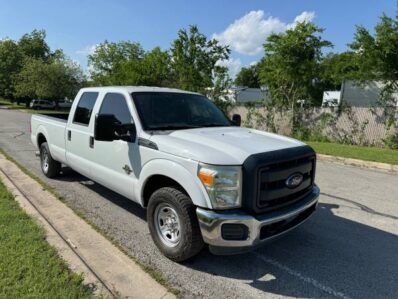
x=57, y=116
x=53, y=127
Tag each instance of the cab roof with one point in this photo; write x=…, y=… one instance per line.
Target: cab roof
x=131, y=89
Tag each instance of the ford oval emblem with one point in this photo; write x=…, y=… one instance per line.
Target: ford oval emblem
x=294, y=180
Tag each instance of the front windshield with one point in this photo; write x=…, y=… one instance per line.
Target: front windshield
x=174, y=111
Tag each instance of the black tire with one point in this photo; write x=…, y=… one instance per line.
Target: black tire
x=190, y=239
x=50, y=167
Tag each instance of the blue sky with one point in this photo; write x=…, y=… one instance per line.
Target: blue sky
x=77, y=26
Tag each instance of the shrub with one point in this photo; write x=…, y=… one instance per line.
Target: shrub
x=391, y=141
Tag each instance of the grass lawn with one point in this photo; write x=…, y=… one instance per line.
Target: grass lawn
x=29, y=266
x=11, y=105
x=375, y=154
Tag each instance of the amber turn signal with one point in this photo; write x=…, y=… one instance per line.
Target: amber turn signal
x=206, y=178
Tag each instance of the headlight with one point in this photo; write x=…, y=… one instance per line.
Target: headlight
x=223, y=185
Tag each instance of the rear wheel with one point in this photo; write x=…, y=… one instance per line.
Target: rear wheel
x=173, y=224
x=49, y=166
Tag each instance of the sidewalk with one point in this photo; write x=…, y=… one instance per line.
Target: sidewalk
x=84, y=249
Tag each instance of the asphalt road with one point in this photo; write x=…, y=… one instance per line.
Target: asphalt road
x=348, y=249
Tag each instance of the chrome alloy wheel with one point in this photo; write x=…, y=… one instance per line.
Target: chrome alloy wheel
x=167, y=225
x=44, y=160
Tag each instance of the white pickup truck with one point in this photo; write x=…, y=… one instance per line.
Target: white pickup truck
x=201, y=177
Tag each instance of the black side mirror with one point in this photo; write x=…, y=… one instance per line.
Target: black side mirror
x=108, y=128
x=126, y=132
x=236, y=119
x=105, y=127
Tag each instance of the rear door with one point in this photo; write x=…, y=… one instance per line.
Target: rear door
x=79, y=134
x=115, y=163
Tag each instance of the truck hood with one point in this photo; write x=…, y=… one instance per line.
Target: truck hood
x=221, y=145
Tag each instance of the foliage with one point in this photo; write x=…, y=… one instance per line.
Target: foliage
x=391, y=141
x=248, y=77
x=194, y=59
x=108, y=59
x=10, y=64
x=378, y=60
x=219, y=91
x=34, y=45
x=153, y=69
x=53, y=81
x=291, y=66
x=337, y=67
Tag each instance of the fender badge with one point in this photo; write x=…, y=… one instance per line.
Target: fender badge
x=127, y=169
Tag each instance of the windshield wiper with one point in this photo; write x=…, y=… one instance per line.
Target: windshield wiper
x=215, y=125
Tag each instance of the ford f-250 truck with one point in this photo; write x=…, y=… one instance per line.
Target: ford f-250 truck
x=201, y=177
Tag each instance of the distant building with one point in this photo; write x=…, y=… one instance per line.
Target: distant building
x=354, y=94
x=331, y=98
x=250, y=95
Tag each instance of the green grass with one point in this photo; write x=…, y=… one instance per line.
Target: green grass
x=15, y=106
x=152, y=272
x=29, y=266
x=374, y=154
x=32, y=111
x=10, y=105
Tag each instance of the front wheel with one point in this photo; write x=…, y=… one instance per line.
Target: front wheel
x=49, y=166
x=173, y=224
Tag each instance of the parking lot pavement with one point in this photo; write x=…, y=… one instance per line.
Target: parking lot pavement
x=348, y=249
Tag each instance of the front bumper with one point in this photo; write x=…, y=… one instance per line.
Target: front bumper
x=261, y=228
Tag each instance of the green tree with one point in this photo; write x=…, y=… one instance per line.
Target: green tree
x=337, y=67
x=291, y=67
x=10, y=65
x=219, y=91
x=378, y=60
x=52, y=81
x=152, y=70
x=248, y=76
x=194, y=59
x=34, y=45
x=109, y=57
x=378, y=56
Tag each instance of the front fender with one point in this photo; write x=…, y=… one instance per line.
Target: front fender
x=178, y=173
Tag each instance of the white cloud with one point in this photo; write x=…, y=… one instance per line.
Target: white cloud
x=247, y=34
x=233, y=65
x=305, y=16
x=88, y=50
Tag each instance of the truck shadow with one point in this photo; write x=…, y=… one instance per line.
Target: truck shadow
x=329, y=256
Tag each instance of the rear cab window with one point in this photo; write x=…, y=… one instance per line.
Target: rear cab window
x=84, y=108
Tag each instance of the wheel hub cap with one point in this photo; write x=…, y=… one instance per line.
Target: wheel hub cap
x=44, y=162
x=167, y=225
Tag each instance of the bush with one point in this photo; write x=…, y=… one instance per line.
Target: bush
x=391, y=141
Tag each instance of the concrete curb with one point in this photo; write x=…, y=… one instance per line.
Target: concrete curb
x=358, y=163
x=86, y=251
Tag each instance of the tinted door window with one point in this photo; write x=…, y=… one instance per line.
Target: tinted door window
x=115, y=103
x=85, y=108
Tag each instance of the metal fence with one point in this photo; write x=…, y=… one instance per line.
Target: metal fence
x=353, y=125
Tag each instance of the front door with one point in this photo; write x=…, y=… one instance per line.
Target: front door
x=113, y=164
